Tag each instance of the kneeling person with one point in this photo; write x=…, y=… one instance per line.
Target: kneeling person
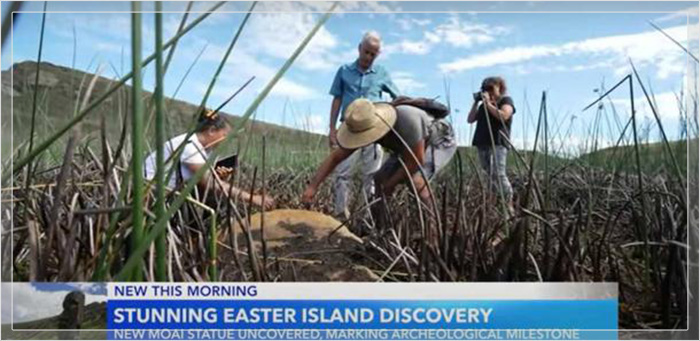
x=408, y=132
x=212, y=129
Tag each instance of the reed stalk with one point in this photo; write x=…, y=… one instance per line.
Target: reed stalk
x=161, y=267
x=136, y=139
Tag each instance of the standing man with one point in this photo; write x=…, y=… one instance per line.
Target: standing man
x=359, y=79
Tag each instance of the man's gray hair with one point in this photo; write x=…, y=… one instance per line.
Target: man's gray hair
x=369, y=36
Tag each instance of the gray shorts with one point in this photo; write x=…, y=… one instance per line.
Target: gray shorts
x=436, y=158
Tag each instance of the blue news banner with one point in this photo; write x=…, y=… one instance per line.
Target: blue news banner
x=143, y=315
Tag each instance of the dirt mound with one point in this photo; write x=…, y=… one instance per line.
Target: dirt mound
x=307, y=246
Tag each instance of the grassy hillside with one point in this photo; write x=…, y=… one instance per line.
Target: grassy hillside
x=654, y=158
x=58, y=95
x=95, y=317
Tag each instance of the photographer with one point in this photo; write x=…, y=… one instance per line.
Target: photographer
x=493, y=113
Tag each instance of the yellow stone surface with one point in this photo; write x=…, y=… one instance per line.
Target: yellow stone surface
x=282, y=226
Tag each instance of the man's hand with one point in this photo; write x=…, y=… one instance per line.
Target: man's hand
x=269, y=202
x=333, y=139
x=308, y=197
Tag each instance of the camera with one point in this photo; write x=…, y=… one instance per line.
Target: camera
x=477, y=96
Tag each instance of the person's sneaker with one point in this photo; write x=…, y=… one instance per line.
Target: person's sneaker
x=510, y=211
x=498, y=239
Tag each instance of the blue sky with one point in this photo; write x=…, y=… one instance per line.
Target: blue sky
x=424, y=45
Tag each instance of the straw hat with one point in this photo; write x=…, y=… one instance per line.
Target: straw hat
x=365, y=123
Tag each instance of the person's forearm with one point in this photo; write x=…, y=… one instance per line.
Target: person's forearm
x=335, y=109
x=495, y=112
x=472, y=113
x=390, y=184
x=232, y=191
x=222, y=187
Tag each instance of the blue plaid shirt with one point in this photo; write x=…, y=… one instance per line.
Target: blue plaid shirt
x=350, y=84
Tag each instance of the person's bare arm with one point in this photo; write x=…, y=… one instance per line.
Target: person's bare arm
x=503, y=113
x=473, y=113
x=411, y=163
x=224, y=188
x=335, y=110
x=336, y=157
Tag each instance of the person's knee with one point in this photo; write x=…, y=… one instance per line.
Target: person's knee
x=421, y=186
x=424, y=194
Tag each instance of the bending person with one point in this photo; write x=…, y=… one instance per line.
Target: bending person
x=410, y=134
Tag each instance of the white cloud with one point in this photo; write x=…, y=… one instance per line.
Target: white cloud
x=374, y=6
x=406, y=82
x=243, y=66
x=507, y=55
x=287, y=88
x=270, y=37
x=421, y=47
x=352, y=6
x=691, y=12
x=276, y=29
x=645, y=48
x=466, y=34
x=278, y=34
x=30, y=304
x=408, y=24
x=667, y=106
x=534, y=67
x=108, y=25
x=453, y=32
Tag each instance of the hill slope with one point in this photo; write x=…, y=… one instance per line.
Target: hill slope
x=653, y=157
x=58, y=91
x=95, y=317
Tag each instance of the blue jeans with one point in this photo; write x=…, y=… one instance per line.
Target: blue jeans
x=493, y=161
